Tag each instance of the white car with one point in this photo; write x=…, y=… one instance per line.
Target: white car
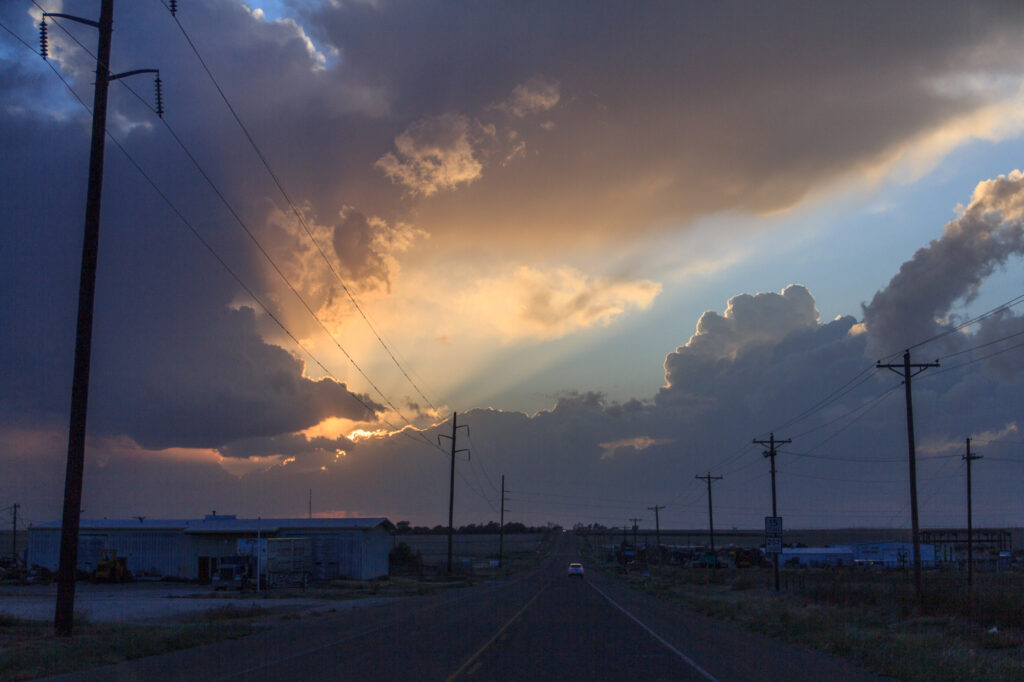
x=575, y=569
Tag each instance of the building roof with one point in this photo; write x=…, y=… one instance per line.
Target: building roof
x=233, y=525
x=228, y=524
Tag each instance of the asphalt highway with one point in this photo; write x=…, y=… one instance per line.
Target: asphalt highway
x=542, y=625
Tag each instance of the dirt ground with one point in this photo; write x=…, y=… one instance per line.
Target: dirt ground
x=147, y=602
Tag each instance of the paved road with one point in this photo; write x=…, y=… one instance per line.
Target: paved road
x=538, y=626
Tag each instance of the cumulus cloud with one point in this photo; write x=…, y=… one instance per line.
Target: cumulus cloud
x=547, y=304
x=536, y=95
x=436, y=154
x=362, y=251
x=765, y=318
x=568, y=461
x=988, y=231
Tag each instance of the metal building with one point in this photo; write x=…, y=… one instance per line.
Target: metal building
x=193, y=549
x=892, y=554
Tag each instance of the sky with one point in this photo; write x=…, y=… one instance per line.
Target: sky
x=621, y=241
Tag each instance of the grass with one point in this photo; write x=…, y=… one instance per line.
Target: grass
x=29, y=649
x=871, y=619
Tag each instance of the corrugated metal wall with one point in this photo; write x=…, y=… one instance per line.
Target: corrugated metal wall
x=336, y=553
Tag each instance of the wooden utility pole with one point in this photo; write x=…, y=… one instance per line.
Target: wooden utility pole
x=71, y=520
x=64, y=617
x=451, y=489
x=657, y=527
x=501, y=524
x=657, y=524
x=14, y=535
x=970, y=524
x=711, y=519
x=905, y=369
x=770, y=453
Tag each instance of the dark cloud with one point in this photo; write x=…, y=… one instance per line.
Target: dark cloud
x=659, y=113
x=206, y=390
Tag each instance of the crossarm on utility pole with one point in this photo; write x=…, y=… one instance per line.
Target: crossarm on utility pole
x=904, y=369
x=451, y=489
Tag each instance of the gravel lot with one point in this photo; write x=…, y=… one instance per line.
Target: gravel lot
x=149, y=602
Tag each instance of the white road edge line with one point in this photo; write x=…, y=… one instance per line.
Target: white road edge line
x=689, y=661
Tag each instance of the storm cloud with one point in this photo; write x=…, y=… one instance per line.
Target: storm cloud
x=489, y=165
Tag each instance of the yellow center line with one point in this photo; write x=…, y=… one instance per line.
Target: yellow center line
x=496, y=635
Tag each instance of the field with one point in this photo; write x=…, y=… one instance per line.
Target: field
x=870, y=618
x=473, y=549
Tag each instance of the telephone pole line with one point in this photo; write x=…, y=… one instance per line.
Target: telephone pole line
x=970, y=525
x=711, y=519
x=770, y=453
x=906, y=370
x=451, y=489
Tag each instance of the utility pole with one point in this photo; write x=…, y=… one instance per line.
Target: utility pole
x=501, y=524
x=636, y=523
x=451, y=489
x=970, y=526
x=64, y=616
x=770, y=453
x=711, y=519
x=906, y=370
x=14, y=535
x=657, y=527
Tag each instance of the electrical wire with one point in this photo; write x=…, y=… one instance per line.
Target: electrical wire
x=1017, y=300
x=370, y=409
x=298, y=214
x=266, y=255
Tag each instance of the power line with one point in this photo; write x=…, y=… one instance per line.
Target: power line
x=830, y=398
x=213, y=251
x=475, y=449
x=1016, y=300
x=266, y=255
x=298, y=214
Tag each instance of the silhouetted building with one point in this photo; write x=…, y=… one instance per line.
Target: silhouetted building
x=193, y=549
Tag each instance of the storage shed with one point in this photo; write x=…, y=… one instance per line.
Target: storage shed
x=193, y=549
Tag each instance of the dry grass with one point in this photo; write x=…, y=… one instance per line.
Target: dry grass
x=871, y=619
x=29, y=649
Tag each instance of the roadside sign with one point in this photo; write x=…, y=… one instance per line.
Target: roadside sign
x=773, y=545
x=773, y=526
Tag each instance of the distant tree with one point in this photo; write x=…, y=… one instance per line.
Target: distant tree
x=403, y=559
x=402, y=527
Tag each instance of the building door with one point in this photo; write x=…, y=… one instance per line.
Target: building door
x=205, y=569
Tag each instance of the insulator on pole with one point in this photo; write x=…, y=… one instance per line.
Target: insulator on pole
x=173, y=7
x=159, y=97
x=42, y=39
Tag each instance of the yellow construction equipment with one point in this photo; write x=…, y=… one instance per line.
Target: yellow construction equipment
x=111, y=568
